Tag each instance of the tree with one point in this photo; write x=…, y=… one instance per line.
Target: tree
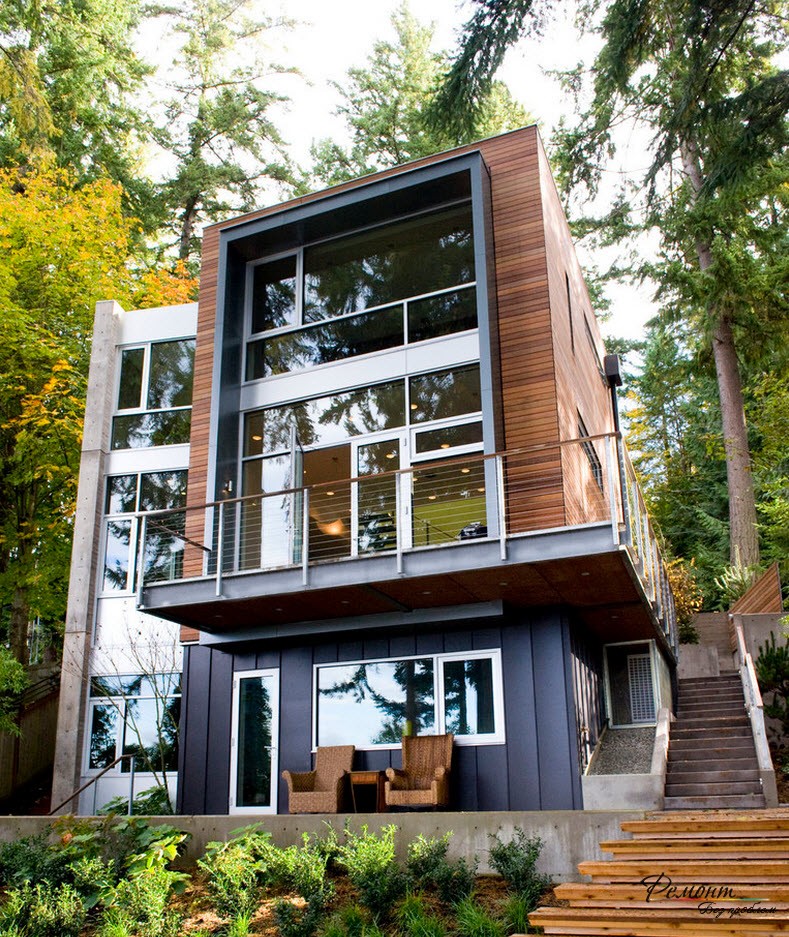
x=68, y=74
x=698, y=74
x=62, y=248
x=218, y=123
x=385, y=106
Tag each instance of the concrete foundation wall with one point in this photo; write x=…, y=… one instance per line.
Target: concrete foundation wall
x=569, y=836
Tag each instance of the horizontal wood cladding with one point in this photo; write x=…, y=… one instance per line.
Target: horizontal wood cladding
x=763, y=598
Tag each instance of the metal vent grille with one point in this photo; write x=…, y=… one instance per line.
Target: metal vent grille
x=642, y=697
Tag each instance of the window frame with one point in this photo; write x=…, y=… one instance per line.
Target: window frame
x=133, y=517
x=118, y=702
x=142, y=409
x=251, y=337
x=498, y=737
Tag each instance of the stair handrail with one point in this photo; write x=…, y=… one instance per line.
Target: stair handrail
x=96, y=777
x=755, y=708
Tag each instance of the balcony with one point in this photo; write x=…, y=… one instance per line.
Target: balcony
x=554, y=524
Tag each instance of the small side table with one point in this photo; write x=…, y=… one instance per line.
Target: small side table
x=369, y=779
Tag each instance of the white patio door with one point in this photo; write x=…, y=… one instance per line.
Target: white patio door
x=253, y=745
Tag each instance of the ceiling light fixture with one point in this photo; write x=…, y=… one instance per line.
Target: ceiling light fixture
x=465, y=471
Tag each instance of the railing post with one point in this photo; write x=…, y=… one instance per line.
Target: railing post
x=220, y=547
x=140, y=559
x=609, y=456
x=502, y=507
x=305, y=538
x=131, y=785
x=399, y=521
x=623, y=487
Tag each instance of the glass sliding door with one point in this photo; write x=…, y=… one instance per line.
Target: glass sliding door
x=376, y=495
x=253, y=746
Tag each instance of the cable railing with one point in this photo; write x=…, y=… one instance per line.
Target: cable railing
x=440, y=503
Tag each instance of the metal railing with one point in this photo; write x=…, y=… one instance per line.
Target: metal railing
x=95, y=778
x=438, y=503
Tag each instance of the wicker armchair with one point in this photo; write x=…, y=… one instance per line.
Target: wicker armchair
x=424, y=778
x=321, y=790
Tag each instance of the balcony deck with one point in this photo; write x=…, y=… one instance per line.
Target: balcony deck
x=607, y=568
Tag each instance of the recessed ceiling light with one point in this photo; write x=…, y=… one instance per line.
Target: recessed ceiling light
x=390, y=455
x=431, y=497
x=465, y=471
x=503, y=583
x=480, y=489
x=427, y=592
x=586, y=573
x=344, y=602
x=445, y=445
x=329, y=494
x=256, y=437
x=277, y=609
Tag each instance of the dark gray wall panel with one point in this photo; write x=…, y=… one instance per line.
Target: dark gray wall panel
x=464, y=779
x=402, y=645
x=521, y=718
x=492, y=777
x=295, y=733
x=219, y=727
x=193, y=768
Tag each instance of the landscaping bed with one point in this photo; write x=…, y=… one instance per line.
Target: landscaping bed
x=120, y=877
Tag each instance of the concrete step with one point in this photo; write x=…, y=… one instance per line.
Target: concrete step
x=711, y=788
x=711, y=722
x=710, y=774
x=715, y=802
x=678, y=733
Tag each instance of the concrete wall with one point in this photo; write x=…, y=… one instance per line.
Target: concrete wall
x=569, y=836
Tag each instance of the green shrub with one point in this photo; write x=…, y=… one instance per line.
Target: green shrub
x=303, y=870
x=43, y=911
x=515, y=914
x=350, y=921
x=370, y=863
x=94, y=879
x=516, y=863
x=32, y=859
x=294, y=921
x=414, y=919
x=472, y=921
x=236, y=871
x=238, y=927
x=429, y=867
x=141, y=904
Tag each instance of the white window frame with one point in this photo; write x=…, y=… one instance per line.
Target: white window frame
x=240, y=675
x=118, y=702
x=489, y=738
x=609, y=708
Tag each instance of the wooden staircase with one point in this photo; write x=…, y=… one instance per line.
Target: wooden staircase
x=712, y=873
x=711, y=757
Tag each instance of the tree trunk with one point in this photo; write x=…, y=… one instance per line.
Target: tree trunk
x=743, y=529
x=17, y=628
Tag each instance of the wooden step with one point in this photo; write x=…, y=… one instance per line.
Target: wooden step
x=733, y=848
x=659, y=922
x=712, y=722
x=691, y=697
x=593, y=895
x=707, y=871
x=715, y=802
x=722, y=823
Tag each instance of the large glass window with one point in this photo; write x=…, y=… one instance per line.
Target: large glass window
x=444, y=394
x=135, y=715
x=406, y=258
x=411, y=280
x=372, y=703
x=155, y=381
x=164, y=544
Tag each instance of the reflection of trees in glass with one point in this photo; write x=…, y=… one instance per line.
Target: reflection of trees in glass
x=168, y=428
x=103, y=736
x=374, y=268
x=253, y=785
x=468, y=696
x=151, y=733
x=164, y=544
x=444, y=394
x=274, y=294
x=130, y=386
x=413, y=707
x=171, y=370
x=116, y=554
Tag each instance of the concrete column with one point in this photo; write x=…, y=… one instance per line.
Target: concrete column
x=99, y=407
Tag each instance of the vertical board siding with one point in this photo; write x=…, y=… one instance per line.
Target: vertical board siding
x=533, y=770
x=587, y=655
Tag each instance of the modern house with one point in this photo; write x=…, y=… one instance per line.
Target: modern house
x=408, y=507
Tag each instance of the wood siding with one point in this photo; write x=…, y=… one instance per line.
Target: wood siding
x=536, y=769
x=543, y=384
x=763, y=598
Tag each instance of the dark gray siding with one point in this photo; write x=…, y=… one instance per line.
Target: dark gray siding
x=536, y=769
